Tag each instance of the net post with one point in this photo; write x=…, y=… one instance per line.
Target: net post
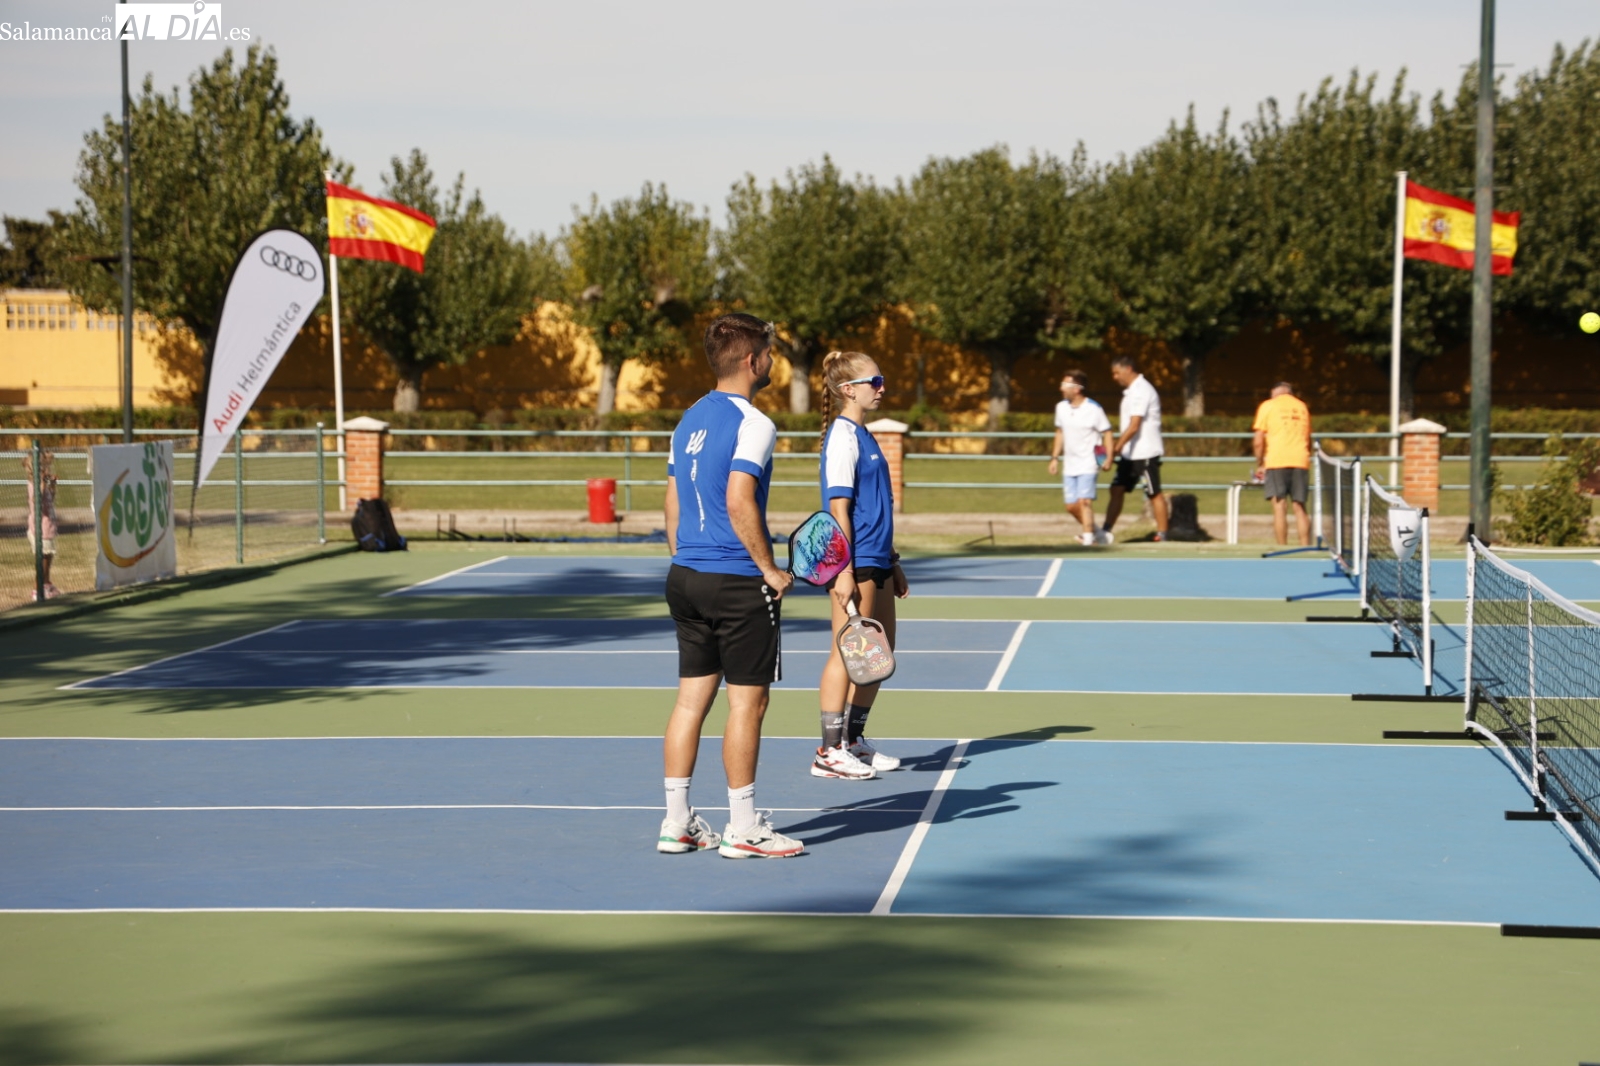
x=1316, y=494
x=1338, y=514
x=1533, y=715
x=38, y=520
x=1427, y=607
x=1359, y=530
x=322, y=491
x=238, y=495
x=1472, y=595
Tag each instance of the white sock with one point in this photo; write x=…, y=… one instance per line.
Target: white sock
x=742, y=807
x=678, y=799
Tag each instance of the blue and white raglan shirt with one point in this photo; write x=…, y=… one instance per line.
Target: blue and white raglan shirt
x=853, y=468
x=721, y=433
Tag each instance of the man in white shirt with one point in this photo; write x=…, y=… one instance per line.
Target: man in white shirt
x=1138, y=448
x=1083, y=448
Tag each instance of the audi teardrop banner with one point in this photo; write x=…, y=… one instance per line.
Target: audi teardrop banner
x=276, y=284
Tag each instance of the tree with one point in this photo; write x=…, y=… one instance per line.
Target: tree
x=1169, y=241
x=1324, y=186
x=1554, y=179
x=476, y=286
x=985, y=248
x=28, y=255
x=814, y=255
x=205, y=182
x=637, y=272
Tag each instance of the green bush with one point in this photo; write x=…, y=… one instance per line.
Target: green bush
x=1554, y=513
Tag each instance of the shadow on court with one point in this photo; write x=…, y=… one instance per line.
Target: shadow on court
x=956, y=803
x=28, y=1038
x=755, y=991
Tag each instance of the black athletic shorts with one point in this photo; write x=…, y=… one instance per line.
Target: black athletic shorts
x=876, y=575
x=1139, y=473
x=728, y=624
x=1290, y=481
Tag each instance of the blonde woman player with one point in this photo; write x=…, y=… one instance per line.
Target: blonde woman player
x=856, y=491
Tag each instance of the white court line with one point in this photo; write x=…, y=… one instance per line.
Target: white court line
x=662, y=574
x=441, y=577
x=741, y=914
x=180, y=655
x=422, y=653
x=1006, y=659
x=453, y=807
x=657, y=737
x=1049, y=579
x=919, y=832
x=423, y=687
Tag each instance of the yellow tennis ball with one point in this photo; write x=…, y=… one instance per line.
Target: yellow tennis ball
x=1590, y=322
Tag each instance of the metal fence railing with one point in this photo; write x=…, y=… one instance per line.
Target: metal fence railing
x=266, y=499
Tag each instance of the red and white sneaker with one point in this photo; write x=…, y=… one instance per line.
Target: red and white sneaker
x=840, y=762
x=864, y=750
x=760, y=841
x=680, y=837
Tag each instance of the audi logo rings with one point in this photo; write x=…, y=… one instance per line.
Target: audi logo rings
x=304, y=269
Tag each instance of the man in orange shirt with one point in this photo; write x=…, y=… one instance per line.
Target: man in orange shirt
x=1283, y=459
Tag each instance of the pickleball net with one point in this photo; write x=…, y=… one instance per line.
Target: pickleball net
x=1396, y=572
x=1533, y=689
x=1339, y=508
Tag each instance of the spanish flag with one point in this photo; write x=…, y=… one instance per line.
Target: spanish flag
x=1440, y=227
x=365, y=227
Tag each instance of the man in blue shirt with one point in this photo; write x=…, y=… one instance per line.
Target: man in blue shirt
x=724, y=590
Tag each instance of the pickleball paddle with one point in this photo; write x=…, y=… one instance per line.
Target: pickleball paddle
x=818, y=550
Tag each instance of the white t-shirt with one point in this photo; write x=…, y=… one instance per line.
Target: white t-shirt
x=1080, y=427
x=1140, y=400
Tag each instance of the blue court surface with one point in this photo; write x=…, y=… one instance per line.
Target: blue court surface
x=1075, y=577
x=1090, y=656
x=1274, y=831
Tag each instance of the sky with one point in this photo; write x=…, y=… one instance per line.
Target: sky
x=543, y=105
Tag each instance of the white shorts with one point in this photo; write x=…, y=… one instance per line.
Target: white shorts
x=49, y=544
x=1075, y=487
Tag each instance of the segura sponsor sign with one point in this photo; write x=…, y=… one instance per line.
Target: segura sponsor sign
x=133, y=513
x=276, y=284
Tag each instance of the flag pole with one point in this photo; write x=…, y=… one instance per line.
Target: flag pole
x=1394, y=325
x=338, y=373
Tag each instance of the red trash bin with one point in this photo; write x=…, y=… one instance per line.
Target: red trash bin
x=603, y=500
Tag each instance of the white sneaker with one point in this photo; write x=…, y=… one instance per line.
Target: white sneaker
x=840, y=762
x=760, y=841
x=679, y=837
x=1104, y=536
x=1086, y=538
x=864, y=750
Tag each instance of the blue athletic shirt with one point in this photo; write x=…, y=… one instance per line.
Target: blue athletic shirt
x=853, y=468
x=719, y=434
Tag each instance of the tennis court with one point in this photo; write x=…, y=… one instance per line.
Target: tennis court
x=300, y=820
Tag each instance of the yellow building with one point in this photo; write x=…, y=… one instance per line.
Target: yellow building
x=55, y=353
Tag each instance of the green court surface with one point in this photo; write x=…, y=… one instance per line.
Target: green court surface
x=481, y=987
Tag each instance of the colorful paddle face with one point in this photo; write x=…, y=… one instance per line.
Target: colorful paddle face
x=818, y=550
x=864, y=647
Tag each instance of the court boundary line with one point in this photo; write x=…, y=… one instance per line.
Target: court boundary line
x=1006, y=659
x=438, y=807
x=1049, y=580
x=657, y=736
x=181, y=654
x=902, y=916
x=673, y=688
x=441, y=577
x=919, y=832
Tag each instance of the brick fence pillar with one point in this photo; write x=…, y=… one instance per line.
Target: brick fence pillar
x=891, y=437
x=363, y=466
x=1419, y=448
